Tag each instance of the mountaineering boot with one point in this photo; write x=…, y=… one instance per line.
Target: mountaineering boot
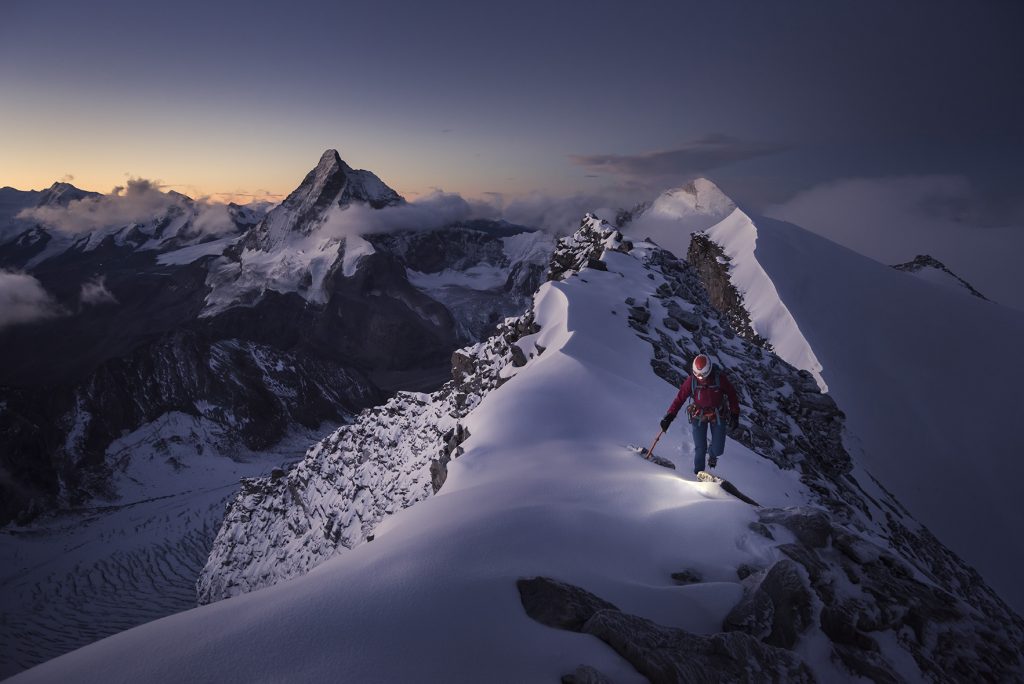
x=712, y=461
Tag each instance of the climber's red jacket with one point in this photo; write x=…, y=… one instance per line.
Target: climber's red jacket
x=708, y=395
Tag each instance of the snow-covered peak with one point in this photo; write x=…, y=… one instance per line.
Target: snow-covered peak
x=332, y=183
x=678, y=213
x=701, y=197
x=60, y=194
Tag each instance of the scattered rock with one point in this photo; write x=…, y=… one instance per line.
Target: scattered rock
x=585, y=674
x=664, y=654
x=687, y=577
x=776, y=605
x=810, y=525
x=557, y=604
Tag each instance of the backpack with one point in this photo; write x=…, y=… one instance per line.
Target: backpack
x=713, y=383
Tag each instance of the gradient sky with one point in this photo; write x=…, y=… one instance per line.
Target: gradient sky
x=768, y=98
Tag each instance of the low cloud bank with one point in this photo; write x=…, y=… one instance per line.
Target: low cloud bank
x=140, y=201
x=894, y=219
x=94, y=292
x=24, y=300
x=683, y=163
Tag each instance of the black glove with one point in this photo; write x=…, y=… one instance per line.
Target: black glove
x=666, y=421
x=734, y=421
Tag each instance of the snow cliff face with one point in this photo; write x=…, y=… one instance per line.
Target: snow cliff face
x=833, y=577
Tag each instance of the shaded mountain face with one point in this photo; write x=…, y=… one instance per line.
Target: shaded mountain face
x=146, y=314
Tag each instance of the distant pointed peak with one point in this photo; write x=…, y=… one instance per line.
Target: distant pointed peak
x=60, y=193
x=331, y=162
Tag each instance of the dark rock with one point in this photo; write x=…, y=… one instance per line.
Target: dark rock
x=585, y=674
x=688, y=320
x=559, y=605
x=711, y=263
x=745, y=570
x=518, y=357
x=687, y=577
x=870, y=665
x=664, y=654
x=639, y=314
x=810, y=525
x=597, y=264
x=776, y=606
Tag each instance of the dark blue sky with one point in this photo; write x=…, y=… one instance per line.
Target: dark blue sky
x=766, y=98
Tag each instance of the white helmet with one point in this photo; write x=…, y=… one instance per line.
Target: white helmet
x=702, y=366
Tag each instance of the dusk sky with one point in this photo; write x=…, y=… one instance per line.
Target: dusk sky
x=240, y=98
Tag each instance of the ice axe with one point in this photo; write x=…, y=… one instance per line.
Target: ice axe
x=650, y=452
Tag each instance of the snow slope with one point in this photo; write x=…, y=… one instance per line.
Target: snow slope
x=546, y=487
x=895, y=354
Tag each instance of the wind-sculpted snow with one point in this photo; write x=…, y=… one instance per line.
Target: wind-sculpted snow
x=391, y=457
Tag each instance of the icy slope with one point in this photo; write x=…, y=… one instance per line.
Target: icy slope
x=928, y=381
x=545, y=487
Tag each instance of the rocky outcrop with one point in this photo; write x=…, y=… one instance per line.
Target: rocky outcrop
x=389, y=458
x=584, y=248
x=923, y=263
x=662, y=654
x=712, y=265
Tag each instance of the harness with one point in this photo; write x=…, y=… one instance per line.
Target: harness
x=698, y=413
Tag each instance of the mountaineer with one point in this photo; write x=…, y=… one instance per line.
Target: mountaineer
x=709, y=388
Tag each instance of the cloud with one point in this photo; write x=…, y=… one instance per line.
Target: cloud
x=24, y=300
x=893, y=219
x=138, y=201
x=692, y=159
x=212, y=219
x=94, y=292
x=561, y=215
x=433, y=211
x=886, y=218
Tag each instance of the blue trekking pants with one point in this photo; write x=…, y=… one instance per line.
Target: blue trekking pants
x=700, y=441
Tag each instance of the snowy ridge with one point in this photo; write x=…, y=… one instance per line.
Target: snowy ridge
x=391, y=457
x=758, y=312
x=831, y=579
x=769, y=317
